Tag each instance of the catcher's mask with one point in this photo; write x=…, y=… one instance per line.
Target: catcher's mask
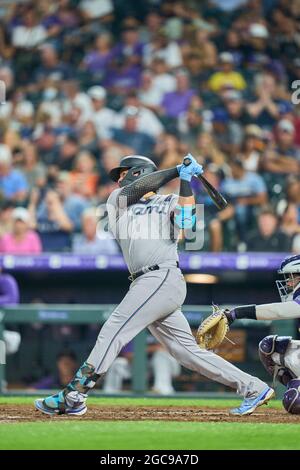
x=290, y=269
x=137, y=167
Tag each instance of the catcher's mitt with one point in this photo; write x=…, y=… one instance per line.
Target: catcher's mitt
x=213, y=329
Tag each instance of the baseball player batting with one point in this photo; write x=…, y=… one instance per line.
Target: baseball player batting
x=157, y=289
x=280, y=355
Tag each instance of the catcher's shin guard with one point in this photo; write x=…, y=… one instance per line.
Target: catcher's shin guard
x=291, y=398
x=275, y=344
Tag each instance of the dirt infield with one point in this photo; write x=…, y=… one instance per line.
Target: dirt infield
x=26, y=413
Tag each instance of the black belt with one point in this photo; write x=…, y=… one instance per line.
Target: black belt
x=155, y=267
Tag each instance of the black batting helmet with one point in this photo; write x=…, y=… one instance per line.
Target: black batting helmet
x=137, y=166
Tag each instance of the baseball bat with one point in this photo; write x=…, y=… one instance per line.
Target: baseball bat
x=214, y=194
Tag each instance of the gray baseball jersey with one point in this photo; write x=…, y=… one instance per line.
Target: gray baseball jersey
x=154, y=299
x=144, y=230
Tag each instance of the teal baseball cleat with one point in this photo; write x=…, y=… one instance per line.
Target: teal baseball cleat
x=250, y=404
x=73, y=403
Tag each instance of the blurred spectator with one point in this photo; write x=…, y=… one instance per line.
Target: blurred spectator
x=257, y=43
x=97, y=61
x=290, y=223
x=238, y=118
x=226, y=77
x=160, y=47
x=51, y=221
x=88, y=139
x=208, y=150
x=102, y=117
x=202, y=48
x=192, y=122
x=21, y=240
x=13, y=184
x=30, y=33
x=6, y=221
x=251, y=148
x=66, y=155
x=232, y=43
x=148, y=123
x=153, y=23
x=220, y=128
x=265, y=109
x=246, y=191
x=83, y=178
x=57, y=214
x=66, y=366
x=34, y=170
x=129, y=139
x=51, y=68
x=293, y=191
x=268, y=237
x=124, y=72
x=93, y=240
x=285, y=157
x=74, y=98
x=176, y=102
x=168, y=151
x=163, y=81
x=130, y=48
x=23, y=119
x=149, y=95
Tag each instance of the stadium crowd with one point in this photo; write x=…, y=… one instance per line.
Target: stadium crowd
x=89, y=81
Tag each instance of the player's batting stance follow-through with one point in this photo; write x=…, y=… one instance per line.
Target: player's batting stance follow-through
x=157, y=290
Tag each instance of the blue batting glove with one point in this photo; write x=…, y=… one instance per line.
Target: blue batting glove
x=186, y=172
x=197, y=168
x=189, y=168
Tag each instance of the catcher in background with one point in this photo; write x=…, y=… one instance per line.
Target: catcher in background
x=280, y=355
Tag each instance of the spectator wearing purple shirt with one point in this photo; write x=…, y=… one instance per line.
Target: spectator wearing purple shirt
x=9, y=290
x=122, y=79
x=63, y=17
x=129, y=48
x=178, y=101
x=125, y=71
x=97, y=61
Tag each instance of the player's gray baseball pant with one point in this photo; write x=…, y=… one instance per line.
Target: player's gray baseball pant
x=154, y=301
